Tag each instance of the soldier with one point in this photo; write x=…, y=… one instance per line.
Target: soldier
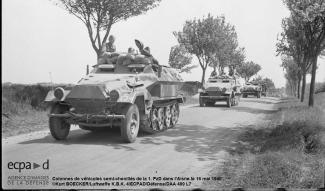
x=213, y=73
x=110, y=46
x=107, y=57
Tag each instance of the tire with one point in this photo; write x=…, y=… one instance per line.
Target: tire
x=258, y=95
x=229, y=102
x=59, y=128
x=130, y=124
x=233, y=100
x=201, y=102
x=244, y=96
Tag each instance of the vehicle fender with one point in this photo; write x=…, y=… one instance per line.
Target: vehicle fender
x=131, y=97
x=51, y=98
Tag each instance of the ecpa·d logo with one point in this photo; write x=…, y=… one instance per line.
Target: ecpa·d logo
x=28, y=165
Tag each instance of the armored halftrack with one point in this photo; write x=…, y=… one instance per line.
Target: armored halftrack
x=220, y=88
x=130, y=92
x=252, y=88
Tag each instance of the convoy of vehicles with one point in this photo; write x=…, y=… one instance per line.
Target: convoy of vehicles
x=252, y=88
x=220, y=88
x=132, y=93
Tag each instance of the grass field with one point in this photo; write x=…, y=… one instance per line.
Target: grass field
x=288, y=152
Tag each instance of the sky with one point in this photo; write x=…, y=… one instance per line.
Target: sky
x=43, y=43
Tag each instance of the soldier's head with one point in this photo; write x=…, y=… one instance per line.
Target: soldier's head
x=147, y=49
x=131, y=50
x=111, y=39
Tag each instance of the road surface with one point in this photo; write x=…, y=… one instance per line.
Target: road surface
x=198, y=142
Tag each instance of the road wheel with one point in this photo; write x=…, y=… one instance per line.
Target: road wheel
x=130, y=125
x=258, y=95
x=229, y=101
x=59, y=128
x=168, y=117
x=244, y=96
x=161, y=119
x=150, y=125
x=175, y=114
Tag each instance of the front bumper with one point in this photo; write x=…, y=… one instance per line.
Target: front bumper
x=250, y=92
x=217, y=97
x=87, y=116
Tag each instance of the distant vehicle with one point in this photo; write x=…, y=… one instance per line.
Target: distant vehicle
x=131, y=94
x=252, y=88
x=220, y=88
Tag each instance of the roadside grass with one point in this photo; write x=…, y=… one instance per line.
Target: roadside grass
x=18, y=117
x=288, y=152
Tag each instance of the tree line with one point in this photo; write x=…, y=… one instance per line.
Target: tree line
x=300, y=44
x=211, y=40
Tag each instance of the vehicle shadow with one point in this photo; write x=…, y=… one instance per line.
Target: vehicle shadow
x=109, y=137
x=205, y=142
x=200, y=140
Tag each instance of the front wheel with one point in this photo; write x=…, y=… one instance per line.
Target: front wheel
x=202, y=104
x=229, y=101
x=59, y=128
x=130, y=124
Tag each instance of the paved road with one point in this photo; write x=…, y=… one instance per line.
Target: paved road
x=200, y=140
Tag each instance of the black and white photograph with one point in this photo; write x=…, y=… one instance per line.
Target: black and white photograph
x=163, y=95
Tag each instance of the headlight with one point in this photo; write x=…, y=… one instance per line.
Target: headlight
x=224, y=89
x=59, y=93
x=114, y=95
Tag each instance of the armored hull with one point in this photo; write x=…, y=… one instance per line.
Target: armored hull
x=251, y=89
x=131, y=94
x=220, y=88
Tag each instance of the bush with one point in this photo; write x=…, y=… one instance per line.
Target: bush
x=270, y=170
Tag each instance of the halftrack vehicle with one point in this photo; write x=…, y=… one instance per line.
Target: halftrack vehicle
x=251, y=88
x=131, y=94
x=220, y=88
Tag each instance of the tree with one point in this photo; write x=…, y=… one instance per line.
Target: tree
x=248, y=69
x=237, y=59
x=291, y=74
x=228, y=50
x=293, y=44
x=269, y=84
x=203, y=38
x=310, y=17
x=180, y=59
x=100, y=15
